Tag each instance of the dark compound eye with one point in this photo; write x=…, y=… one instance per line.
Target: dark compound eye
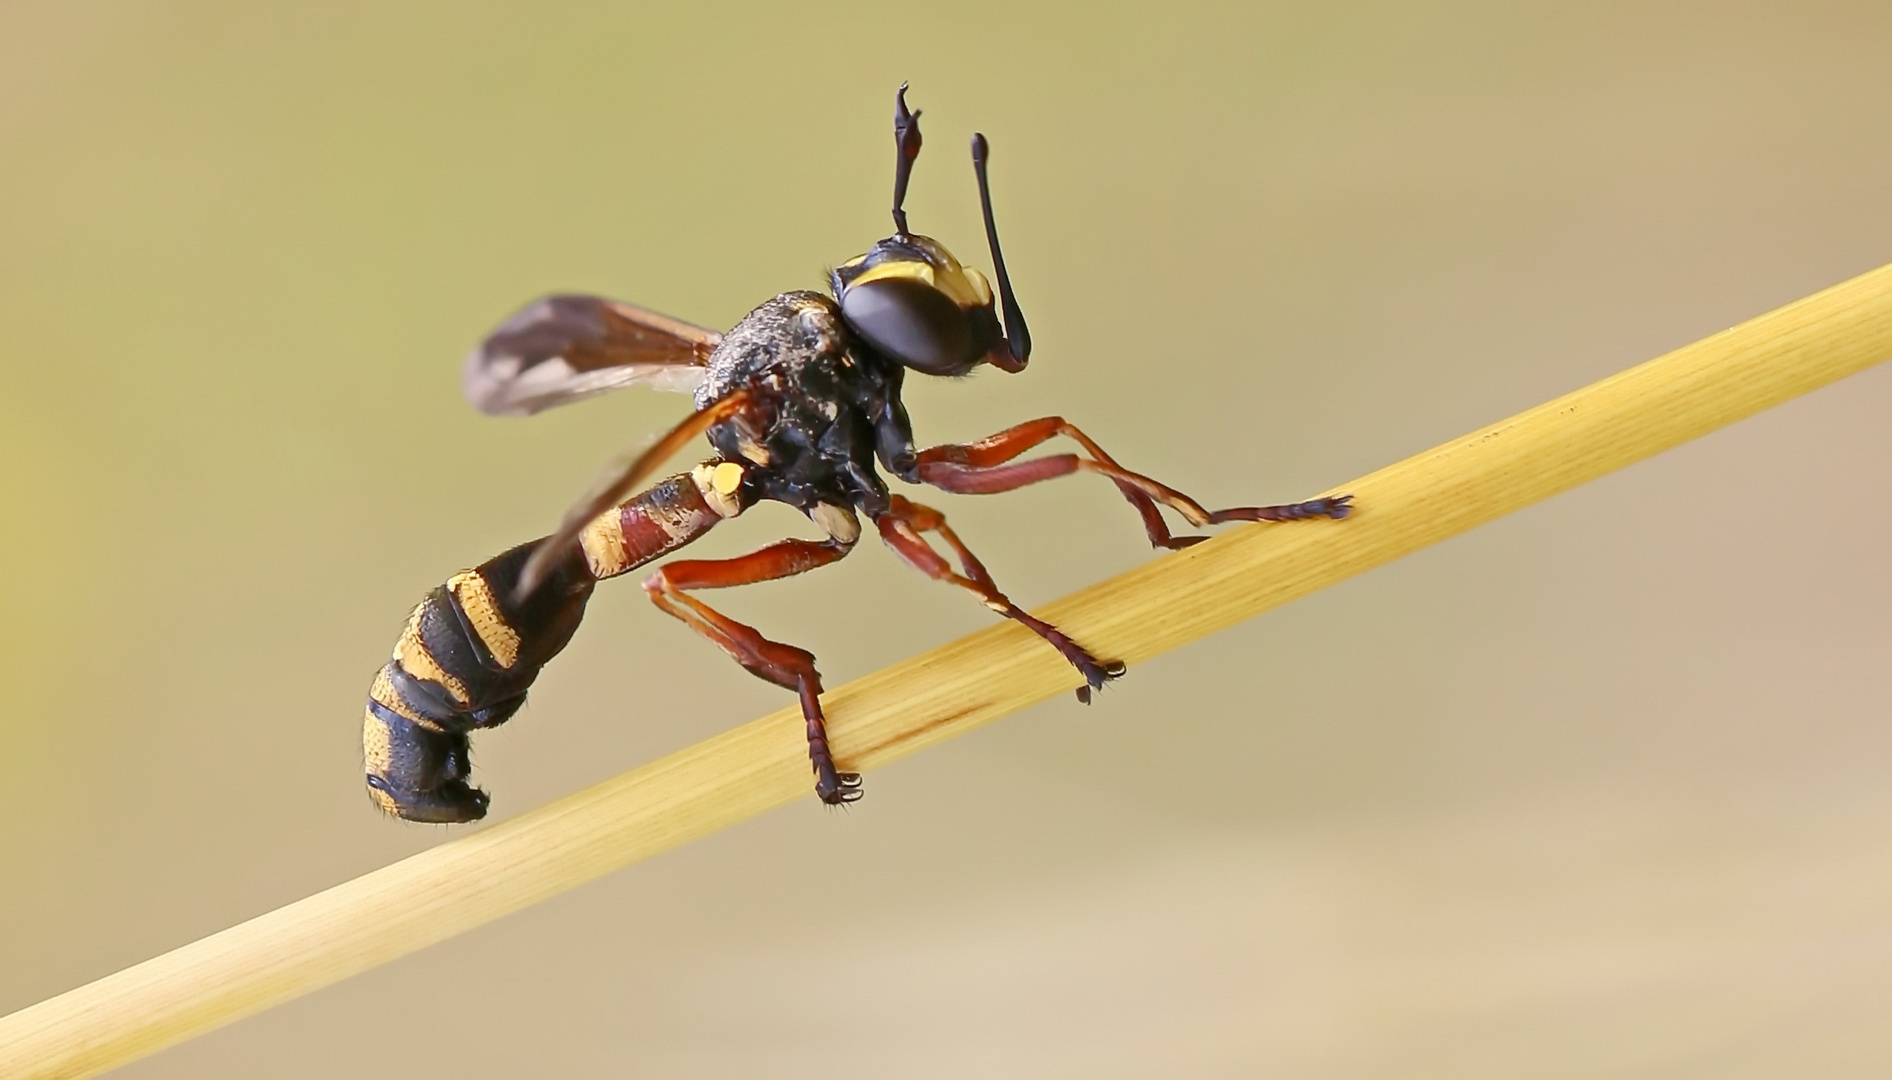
x=912, y=321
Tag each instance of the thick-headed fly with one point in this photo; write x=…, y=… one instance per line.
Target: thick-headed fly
x=800, y=402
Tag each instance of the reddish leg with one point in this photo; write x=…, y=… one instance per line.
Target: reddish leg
x=901, y=527
x=783, y=665
x=979, y=468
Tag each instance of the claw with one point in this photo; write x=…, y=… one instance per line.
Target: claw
x=1336, y=507
x=846, y=789
x=1097, y=675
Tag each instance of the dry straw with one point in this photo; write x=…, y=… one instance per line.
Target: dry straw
x=459, y=885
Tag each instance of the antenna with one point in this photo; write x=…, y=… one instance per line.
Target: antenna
x=906, y=142
x=1016, y=335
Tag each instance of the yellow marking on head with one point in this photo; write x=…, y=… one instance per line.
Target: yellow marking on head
x=752, y=450
x=718, y=484
x=911, y=269
x=967, y=288
x=981, y=288
x=482, y=610
x=603, y=541
x=413, y=655
x=837, y=521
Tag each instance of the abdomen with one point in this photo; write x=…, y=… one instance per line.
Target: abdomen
x=473, y=647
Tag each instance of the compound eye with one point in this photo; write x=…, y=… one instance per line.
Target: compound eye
x=913, y=322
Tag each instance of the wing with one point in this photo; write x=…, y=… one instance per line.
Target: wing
x=563, y=348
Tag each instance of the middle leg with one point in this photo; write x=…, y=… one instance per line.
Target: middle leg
x=779, y=663
x=902, y=527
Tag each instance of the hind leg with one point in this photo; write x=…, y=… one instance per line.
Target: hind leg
x=779, y=663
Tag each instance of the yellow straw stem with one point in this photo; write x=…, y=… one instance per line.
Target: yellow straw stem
x=497, y=870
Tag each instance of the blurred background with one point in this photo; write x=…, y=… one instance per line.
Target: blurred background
x=1604, y=789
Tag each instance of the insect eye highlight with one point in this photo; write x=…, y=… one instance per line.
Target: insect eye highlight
x=910, y=320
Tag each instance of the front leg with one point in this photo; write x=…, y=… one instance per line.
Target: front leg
x=980, y=468
x=902, y=527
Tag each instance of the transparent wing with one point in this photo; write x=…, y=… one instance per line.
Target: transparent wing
x=567, y=347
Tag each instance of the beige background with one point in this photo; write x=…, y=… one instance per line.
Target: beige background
x=1602, y=790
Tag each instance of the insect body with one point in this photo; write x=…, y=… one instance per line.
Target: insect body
x=801, y=403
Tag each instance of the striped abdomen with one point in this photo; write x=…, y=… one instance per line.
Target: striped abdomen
x=472, y=648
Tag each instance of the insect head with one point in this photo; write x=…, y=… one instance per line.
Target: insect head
x=914, y=302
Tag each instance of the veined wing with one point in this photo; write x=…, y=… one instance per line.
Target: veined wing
x=567, y=347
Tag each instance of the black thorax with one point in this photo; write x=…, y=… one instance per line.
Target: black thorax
x=822, y=406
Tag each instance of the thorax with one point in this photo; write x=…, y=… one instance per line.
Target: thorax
x=807, y=435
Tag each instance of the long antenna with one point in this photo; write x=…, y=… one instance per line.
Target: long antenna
x=1016, y=334
x=906, y=142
